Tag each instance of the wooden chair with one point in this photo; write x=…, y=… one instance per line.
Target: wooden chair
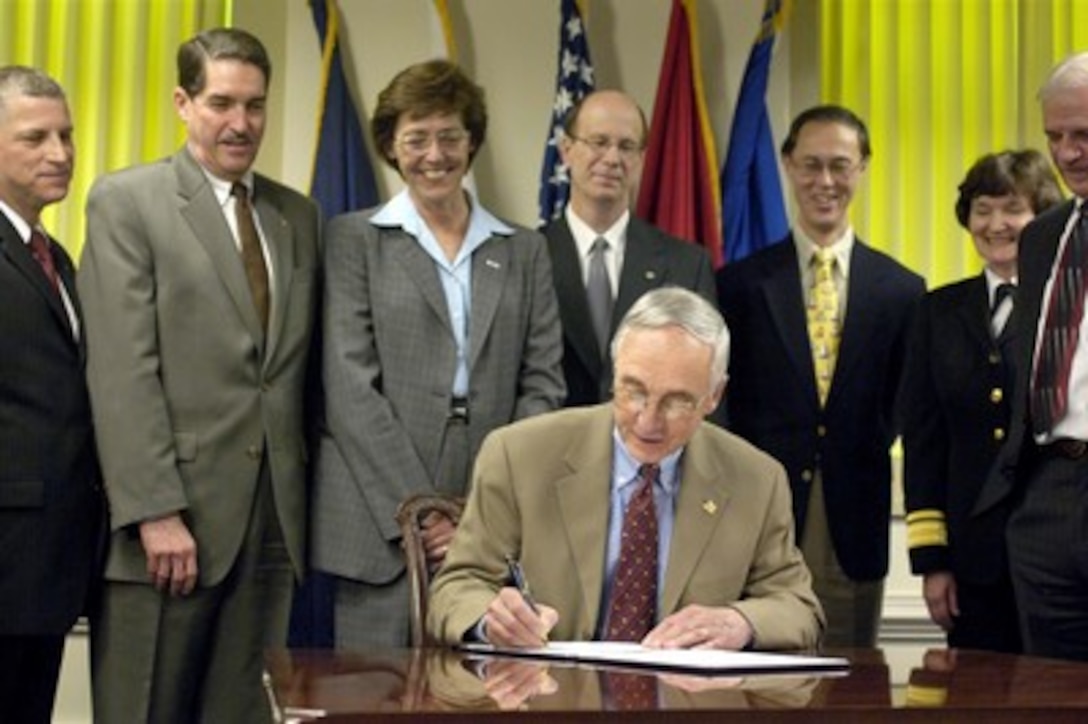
x=409, y=515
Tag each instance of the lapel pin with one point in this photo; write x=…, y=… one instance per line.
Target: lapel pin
x=493, y=264
x=710, y=507
x=651, y=275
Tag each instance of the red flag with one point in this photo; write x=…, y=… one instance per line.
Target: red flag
x=680, y=191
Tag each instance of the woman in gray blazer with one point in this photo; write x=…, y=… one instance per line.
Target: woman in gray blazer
x=440, y=324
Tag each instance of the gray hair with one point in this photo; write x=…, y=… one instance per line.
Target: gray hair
x=21, y=80
x=1069, y=74
x=677, y=307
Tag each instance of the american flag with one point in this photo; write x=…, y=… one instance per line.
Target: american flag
x=573, y=80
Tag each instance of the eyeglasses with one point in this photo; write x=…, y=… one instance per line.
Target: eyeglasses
x=448, y=140
x=599, y=145
x=674, y=407
x=841, y=169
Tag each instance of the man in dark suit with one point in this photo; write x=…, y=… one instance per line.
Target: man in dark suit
x=825, y=409
x=1043, y=470
x=199, y=280
x=50, y=504
x=602, y=148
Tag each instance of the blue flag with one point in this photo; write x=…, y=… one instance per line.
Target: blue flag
x=343, y=179
x=753, y=210
x=573, y=80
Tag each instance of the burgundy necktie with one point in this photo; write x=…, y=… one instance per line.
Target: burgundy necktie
x=39, y=249
x=633, y=603
x=252, y=255
x=1061, y=332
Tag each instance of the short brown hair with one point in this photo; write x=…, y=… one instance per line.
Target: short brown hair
x=1026, y=173
x=218, y=44
x=424, y=89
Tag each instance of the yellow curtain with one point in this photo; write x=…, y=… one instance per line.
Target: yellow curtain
x=939, y=83
x=116, y=62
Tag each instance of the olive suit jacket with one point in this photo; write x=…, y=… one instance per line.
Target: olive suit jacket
x=541, y=491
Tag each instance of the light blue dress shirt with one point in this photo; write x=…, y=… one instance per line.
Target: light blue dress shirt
x=455, y=276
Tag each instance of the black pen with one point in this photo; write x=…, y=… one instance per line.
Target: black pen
x=517, y=577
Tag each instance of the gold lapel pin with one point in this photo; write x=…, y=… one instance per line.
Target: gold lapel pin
x=710, y=507
x=651, y=275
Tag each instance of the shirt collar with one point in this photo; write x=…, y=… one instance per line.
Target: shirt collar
x=584, y=236
x=222, y=188
x=625, y=467
x=841, y=248
x=22, y=228
x=993, y=281
x=401, y=212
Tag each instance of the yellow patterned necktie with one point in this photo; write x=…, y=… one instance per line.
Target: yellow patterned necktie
x=824, y=326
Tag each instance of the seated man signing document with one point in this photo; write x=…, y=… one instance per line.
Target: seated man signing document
x=633, y=520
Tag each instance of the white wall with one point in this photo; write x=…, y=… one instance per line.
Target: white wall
x=509, y=47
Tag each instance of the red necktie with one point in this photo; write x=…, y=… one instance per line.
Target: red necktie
x=39, y=249
x=1050, y=383
x=633, y=604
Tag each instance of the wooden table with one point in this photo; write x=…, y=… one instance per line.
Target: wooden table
x=435, y=685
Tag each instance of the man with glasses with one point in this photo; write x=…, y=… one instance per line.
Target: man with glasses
x=576, y=494
x=603, y=259
x=819, y=323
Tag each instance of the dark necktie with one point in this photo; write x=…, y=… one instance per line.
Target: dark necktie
x=633, y=602
x=599, y=294
x=1005, y=290
x=39, y=249
x=1061, y=332
x=252, y=255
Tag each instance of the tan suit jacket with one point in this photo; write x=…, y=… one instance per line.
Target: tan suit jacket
x=541, y=492
x=186, y=388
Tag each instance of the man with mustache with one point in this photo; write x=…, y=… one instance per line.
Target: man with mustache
x=819, y=325
x=198, y=277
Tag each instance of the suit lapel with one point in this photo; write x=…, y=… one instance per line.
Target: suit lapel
x=490, y=267
x=569, y=285
x=420, y=269
x=643, y=267
x=782, y=292
x=281, y=248
x=861, y=315
x=700, y=505
x=974, y=314
x=201, y=210
x=584, y=496
x=19, y=254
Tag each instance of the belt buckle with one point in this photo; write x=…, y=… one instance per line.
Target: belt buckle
x=458, y=409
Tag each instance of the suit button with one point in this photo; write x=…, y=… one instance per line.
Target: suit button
x=806, y=475
x=994, y=358
x=999, y=433
x=253, y=452
x=821, y=431
x=996, y=395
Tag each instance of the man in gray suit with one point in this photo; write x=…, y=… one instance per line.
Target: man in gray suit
x=199, y=314
x=602, y=146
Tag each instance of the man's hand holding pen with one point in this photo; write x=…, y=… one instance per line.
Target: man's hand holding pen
x=513, y=618
x=511, y=621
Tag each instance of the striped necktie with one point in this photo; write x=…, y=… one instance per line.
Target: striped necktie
x=1061, y=332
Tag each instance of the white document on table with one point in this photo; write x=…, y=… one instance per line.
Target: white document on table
x=699, y=661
